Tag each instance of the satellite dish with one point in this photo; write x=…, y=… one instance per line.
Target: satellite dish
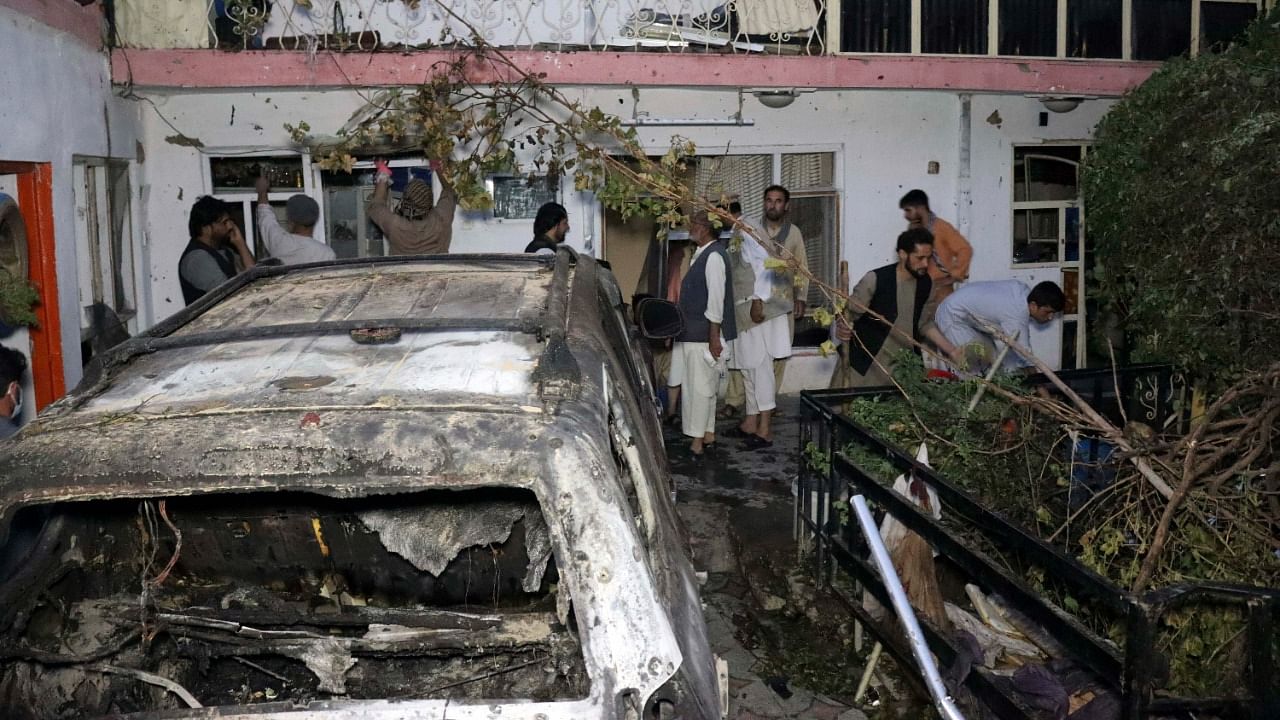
x=13, y=237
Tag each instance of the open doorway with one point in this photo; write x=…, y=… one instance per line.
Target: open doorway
x=27, y=188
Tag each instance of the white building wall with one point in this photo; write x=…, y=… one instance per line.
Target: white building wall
x=58, y=105
x=884, y=141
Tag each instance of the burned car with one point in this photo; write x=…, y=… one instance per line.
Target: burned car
x=393, y=488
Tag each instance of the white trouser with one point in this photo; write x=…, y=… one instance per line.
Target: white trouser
x=761, y=391
x=698, y=391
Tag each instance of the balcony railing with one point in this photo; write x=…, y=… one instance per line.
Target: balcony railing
x=736, y=26
x=1067, y=29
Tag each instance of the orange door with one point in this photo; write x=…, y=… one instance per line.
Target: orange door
x=35, y=200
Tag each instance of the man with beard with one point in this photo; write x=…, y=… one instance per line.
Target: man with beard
x=216, y=244
x=550, y=227
x=776, y=301
x=899, y=292
x=949, y=265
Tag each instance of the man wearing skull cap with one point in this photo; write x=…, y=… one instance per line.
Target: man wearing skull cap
x=296, y=244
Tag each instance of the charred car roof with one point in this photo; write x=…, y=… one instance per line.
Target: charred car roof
x=376, y=377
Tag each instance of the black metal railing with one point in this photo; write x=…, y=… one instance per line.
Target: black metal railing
x=1151, y=394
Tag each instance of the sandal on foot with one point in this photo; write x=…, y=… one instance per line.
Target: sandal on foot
x=755, y=442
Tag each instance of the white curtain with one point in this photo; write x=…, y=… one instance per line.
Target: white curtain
x=765, y=17
x=163, y=23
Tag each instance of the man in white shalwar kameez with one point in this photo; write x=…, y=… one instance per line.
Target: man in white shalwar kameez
x=706, y=302
x=754, y=352
x=772, y=305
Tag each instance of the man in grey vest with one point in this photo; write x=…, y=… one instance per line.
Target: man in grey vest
x=791, y=288
x=763, y=348
x=706, y=302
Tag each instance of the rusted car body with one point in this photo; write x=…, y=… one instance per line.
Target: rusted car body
x=413, y=488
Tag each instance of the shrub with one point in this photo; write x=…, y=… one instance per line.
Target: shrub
x=1182, y=192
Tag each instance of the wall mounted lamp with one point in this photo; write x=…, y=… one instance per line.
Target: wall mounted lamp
x=1061, y=104
x=777, y=97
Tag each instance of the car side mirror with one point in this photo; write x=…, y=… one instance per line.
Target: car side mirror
x=659, y=319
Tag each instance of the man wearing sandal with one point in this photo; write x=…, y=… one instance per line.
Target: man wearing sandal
x=706, y=302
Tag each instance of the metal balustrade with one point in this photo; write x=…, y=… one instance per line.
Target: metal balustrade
x=1128, y=672
x=1065, y=29
x=733, y=26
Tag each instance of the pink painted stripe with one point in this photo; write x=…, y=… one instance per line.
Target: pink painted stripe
x=81, y=22
x=197, y=69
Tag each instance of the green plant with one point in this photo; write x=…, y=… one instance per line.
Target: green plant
x=1181, y=189
x=517, y=125
x=1017, y=462
x=17, y=298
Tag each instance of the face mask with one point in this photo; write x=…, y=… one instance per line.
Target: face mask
x=17, y=407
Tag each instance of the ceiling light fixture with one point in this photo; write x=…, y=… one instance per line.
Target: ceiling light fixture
x=1061, y=104
x=777, y=97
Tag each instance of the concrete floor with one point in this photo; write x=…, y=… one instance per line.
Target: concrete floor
x=737, y=506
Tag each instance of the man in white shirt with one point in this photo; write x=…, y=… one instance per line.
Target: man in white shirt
x=706, y=302
x=295, y=245
x=970, y=318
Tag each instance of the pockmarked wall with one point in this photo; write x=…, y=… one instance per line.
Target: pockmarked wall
x=58, y=105
x=884, y=143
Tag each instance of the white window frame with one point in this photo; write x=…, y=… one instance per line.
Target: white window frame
x=248, y=197
x=95, y=260
x=1061, y=264
x=362, y=220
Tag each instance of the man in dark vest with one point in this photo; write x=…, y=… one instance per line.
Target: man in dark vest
x=900, y=293
x=706, y=302
x=216, y=244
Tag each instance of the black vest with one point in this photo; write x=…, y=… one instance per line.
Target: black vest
x=693, y=299
x=191, y=293
x=540, y=243
x=873, y=332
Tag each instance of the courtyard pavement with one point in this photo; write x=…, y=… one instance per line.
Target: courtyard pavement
x=737, y=507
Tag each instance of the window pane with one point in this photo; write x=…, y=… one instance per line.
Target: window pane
x=880, y=26
x=815, y=217
x=1035, y=236
x=520, y=197
x=1029, y=27
x=808, y=170
x=956, y=27
x=121, y=238
x=1161, y=29
x=1070, y=333
x=1046, y=173
x=1094, y=28
x=1221, y=23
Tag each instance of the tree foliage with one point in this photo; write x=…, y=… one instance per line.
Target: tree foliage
x=1182, y=192
x=513, y=124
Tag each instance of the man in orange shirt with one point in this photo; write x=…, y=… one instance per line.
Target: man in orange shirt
x=951, y=252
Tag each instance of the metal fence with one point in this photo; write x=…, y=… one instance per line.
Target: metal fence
x=732, y=26
x=1129, y=671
